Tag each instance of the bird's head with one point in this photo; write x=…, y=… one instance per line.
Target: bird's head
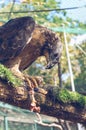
x=52, y=49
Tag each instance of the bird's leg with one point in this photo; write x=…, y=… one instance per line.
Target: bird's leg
x=34, y=83
x=30, y=87
x=17, y=73
x=13, y=65
x=29, y=84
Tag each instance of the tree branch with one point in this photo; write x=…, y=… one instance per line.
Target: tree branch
x=51, y=104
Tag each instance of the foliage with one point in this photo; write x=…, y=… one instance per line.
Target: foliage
x=7, y=75
x=68, y=97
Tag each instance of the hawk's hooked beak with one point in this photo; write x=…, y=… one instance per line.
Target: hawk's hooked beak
x=52, y=59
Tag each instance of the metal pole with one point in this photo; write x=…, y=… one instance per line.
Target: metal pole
x=5, y=123
x=69, y=62
x=51, y=128
x=35, y=126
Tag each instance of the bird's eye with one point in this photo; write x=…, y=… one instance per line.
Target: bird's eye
x=56, y=55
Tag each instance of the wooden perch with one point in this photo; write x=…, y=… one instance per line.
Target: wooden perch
x=52, y=103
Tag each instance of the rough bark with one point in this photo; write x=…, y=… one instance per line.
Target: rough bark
x=20, y=97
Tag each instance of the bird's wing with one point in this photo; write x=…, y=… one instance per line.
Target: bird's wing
x=14, y=36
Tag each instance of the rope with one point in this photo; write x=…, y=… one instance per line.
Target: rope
x=45, y=124
x=39, y=117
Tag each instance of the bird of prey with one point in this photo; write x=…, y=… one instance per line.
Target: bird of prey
x=22, y=41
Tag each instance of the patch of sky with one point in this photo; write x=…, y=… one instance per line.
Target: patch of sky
x=78, y=39
x=76, y=14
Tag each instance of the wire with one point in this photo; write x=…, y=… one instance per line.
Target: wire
x=45, y=10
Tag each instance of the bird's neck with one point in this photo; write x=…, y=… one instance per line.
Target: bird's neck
x=29, y=55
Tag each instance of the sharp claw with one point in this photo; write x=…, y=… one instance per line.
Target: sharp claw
x=32, y=84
